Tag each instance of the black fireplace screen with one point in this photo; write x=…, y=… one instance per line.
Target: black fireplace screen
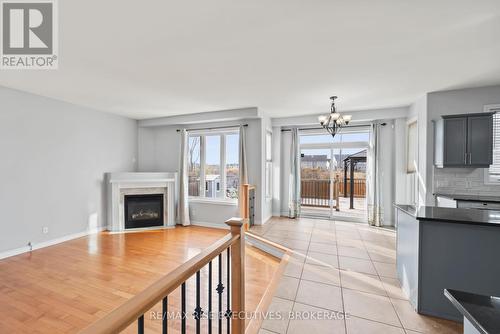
x=143, y=210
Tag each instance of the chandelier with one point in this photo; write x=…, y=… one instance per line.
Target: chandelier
x=334, y=122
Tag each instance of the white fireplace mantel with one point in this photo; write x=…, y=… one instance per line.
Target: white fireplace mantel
x=121, y=184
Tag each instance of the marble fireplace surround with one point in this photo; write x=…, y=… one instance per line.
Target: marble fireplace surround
x=121, y=184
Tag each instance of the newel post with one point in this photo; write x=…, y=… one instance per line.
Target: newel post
x=237, y=276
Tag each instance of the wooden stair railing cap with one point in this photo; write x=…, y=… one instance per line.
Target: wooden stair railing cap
x=235, y=221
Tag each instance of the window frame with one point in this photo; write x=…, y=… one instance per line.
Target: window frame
x=223, y=164
x=411, y=146
x=490, y=179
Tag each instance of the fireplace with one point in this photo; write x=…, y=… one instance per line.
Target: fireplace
x=143, y=211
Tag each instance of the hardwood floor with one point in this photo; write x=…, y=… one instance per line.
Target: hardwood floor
x=63, y=288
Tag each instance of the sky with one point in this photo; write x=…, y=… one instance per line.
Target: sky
x=213, y=149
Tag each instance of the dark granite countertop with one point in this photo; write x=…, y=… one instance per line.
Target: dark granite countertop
x=470, y=197
x=453, y=215
x=483, y=312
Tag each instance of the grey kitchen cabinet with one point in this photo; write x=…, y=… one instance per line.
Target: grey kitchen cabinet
x=464, y=141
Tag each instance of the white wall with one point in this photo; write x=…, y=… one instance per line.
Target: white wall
x=54, y=156
x=159, y=151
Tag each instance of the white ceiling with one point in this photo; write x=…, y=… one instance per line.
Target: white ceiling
x=151, y=58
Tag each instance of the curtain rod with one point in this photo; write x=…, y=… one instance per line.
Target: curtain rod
x=215, y=127
x=320, y=128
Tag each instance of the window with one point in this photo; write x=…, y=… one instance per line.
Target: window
x=269, y=164
x=232, y=165
x=194, y=166
x=492, y=174
x=214, y=165
x=356, y=137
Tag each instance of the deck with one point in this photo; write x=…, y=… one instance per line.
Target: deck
x=356, y=214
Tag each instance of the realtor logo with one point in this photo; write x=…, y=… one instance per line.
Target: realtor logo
x=29, y=34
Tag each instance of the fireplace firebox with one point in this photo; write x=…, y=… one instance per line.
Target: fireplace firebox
x=143, y=211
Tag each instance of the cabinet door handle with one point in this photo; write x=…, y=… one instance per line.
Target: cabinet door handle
x=470, y=158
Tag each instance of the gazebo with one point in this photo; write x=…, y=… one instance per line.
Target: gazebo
x=349, y=163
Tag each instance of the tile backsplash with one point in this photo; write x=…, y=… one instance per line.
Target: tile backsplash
x=462, y=181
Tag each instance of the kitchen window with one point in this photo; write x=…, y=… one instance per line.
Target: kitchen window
x=213, y=162
x=492, y=174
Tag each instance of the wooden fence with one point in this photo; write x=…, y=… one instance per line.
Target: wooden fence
x=359, y=188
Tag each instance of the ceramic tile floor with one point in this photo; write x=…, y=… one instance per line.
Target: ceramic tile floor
x=342, y=267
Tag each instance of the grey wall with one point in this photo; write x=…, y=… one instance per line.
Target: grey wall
x=159, y=148
x=54, y=156
x=267, y=203
x=418, y=111
x=463, y=101
x=277, y=166
x=402, y=180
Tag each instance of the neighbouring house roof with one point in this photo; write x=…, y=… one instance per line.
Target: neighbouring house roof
x=358, y=156
x=315, y=158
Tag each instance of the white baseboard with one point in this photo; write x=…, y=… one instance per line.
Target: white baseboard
x=48, y=243
x=276, y=252
x=211, y=225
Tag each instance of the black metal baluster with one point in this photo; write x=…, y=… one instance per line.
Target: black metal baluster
x=164, y=310
x=140, y=325
x=220, y=290
x=210, y=297
x=228, y=311
x=183, y=308
x=198, y=311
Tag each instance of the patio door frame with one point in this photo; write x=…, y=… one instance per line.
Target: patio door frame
x=332, y=147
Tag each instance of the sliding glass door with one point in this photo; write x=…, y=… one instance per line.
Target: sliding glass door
x=332, y=169
x=315, y=178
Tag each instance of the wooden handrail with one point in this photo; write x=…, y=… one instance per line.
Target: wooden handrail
x=121, y=317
